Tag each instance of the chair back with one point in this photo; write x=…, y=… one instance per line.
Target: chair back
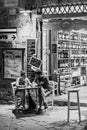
x=50, y=94
x=13, y=85
x=54, y=85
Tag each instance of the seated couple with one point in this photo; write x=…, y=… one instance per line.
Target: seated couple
x=40, y=81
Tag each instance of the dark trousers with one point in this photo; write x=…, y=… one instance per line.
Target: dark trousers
x=20, y=97
x=41, y=94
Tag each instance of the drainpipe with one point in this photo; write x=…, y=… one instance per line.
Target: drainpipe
x=50, y=76
x=41, y=26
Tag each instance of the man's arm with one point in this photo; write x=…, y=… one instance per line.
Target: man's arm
x=17, y=81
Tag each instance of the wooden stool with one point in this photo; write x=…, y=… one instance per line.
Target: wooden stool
x=73, y=107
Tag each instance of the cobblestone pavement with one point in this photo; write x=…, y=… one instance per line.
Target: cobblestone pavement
x=50, y=120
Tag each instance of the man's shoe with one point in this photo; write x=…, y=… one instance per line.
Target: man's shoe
x=39, y=111
x=45, y=105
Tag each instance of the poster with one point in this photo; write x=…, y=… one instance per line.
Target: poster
x=35, y=63
x=12, y=63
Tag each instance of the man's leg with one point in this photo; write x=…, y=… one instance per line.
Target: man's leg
x=44, y=98
x=40, y=97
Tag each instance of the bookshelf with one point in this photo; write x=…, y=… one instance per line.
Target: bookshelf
x=72, y=58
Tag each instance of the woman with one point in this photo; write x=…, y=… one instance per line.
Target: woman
x=21, y=94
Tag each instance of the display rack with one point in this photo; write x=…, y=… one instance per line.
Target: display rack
x=72, y=58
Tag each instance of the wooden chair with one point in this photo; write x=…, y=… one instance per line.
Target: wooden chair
x=16, y=99
x=51, y=94
x=54, y=85
x=50, y=97
x=13, y=85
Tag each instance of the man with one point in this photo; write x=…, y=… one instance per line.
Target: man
x=43, y=83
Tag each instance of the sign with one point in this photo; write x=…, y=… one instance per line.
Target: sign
x=12, y=62
x=30, y=51
x=7, y=37
x=1, y=3
x=54, y=48
x=35, y=63
x=8, y=34
x=12, y=11
x=83, y=71
x=10, y=3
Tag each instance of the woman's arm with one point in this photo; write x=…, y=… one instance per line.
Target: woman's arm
x=17, y=81
x=18, y=85
x=28, y=82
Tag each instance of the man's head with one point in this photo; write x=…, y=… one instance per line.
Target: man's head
x=38, y=72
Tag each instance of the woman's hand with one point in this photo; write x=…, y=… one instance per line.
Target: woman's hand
x=29, y=86
x=34, y=84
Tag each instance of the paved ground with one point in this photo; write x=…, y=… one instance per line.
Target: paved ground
x=62, y=100
x=50, y=120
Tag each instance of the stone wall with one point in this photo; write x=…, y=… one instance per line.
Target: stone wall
x=26, y=29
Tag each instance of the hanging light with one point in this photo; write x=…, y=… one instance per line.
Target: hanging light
x=25, y=12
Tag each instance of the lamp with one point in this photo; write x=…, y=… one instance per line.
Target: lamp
x=26, y=13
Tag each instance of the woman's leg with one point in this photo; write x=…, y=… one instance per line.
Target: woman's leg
x=40, y=97
x=22, y=95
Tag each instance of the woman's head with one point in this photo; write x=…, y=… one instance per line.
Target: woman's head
x=22, y=73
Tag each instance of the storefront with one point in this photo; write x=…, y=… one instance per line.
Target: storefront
x=64, y=43
x=56, y=33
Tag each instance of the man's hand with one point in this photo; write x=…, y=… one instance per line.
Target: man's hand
x=41, y=83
